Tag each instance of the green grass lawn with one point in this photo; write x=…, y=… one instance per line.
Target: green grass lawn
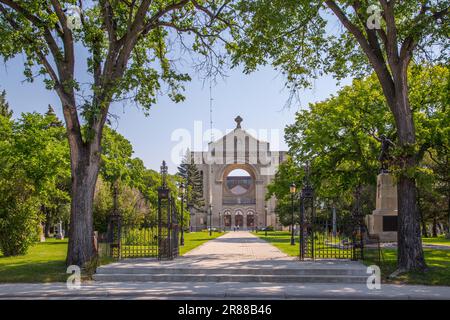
x=44, y=262
x=441, y=241
x=281, y=240
x=438, y=261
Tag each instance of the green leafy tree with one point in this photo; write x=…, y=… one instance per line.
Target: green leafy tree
x=51, y=114
x=432, y=201
x=19, y=208
x=116, y=156
x=4, y=106
x=55, y=206
x=133, y=189
x=286, y=174
x=42, y=148
x=431, y=92
x=103, y=205
x=35, y=158
x=339, y=136
x=193, y=180
x=131, y=205
x=127, y=45
x=19, y=213
x=294, y=36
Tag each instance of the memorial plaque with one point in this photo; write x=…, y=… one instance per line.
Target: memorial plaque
x=390, y=223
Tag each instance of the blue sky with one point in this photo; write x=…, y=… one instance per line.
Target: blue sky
x=259, y=98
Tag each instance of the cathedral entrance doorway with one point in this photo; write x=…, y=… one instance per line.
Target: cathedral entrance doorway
x=239, y=220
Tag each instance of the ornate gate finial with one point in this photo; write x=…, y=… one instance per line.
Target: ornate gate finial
x=164, y=173
x=238, y=120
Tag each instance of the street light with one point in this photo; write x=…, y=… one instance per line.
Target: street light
x=265, y=212
x=210, y=220
x=191, y=217
x=292, y=190
x=182, y=190
x=306, y=198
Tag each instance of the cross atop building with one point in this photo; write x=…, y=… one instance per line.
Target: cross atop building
x=238, y=120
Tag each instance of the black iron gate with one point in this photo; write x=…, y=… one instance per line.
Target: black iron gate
x=153, y=237
x=129, y=239
x=167, y=226
x=328, y=236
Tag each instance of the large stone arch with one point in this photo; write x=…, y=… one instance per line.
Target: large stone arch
x=226, y=169
x=248, y=197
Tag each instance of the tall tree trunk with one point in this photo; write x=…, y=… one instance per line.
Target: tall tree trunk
x=422, y=218
x=410, y=253
x=434, y=229
x=424, y=225
x=47, y=221
x=448, y=215
x=116, y=197
x=424, y=228
x=85, y=164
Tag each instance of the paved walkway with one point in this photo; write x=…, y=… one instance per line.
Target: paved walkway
x=237, y=246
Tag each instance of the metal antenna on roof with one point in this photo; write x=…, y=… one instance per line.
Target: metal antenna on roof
x=211, y=111
x=210, y=166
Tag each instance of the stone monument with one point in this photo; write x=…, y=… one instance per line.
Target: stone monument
x=59, y=231
x=383, y=221
x=41, y=233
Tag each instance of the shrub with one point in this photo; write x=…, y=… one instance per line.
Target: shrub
x=19, y=213
x=19, y=226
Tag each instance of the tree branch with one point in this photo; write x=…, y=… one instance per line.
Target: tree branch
x=212, y=16
x=391, y=31
x=69, y=54
x=153, y=19
x=108, y=14
x=378, y=64
x=55, y=50
x=371, y=33
x=41, y=56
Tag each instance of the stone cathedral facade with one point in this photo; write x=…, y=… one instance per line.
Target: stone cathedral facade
x=237, y=200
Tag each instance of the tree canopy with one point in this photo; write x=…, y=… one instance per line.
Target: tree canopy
x=383, y=37
x=339, y=138
x=126, y=52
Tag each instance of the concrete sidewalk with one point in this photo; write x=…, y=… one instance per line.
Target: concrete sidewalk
x=222, y=291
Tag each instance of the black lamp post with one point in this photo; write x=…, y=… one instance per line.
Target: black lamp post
x=306, y=199
x=292, y=190
x=265, y=213
x=191, y=216
x=210, y=220
x=182, y=189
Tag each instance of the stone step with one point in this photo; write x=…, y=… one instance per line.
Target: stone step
x=167, y=277
x=106, y=270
